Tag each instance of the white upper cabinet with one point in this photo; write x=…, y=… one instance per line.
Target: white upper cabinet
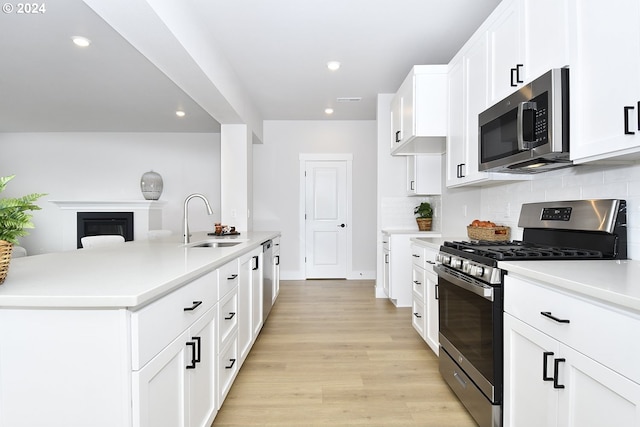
x=605, y=80
x=424, y=174
x=419, y=112
x=527, y=38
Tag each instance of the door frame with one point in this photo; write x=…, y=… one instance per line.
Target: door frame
x=304, y=158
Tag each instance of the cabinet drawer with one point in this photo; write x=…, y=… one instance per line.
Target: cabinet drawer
x=227, y=317
x=227, y=369
x=154, y=326
x=417, y=255
x=600, y=332
x=418, y=283
x=418, y=319
x=228, y=277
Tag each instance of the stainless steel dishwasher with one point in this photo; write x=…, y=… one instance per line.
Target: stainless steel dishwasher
x=267, y=278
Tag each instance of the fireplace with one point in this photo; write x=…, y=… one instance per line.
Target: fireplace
x=101, y=223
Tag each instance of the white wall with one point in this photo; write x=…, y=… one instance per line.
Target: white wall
x=108, y=166
x=502, y=203
x=276, y=185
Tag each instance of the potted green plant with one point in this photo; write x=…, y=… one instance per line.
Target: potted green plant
x=14, y=219
x=424, y=213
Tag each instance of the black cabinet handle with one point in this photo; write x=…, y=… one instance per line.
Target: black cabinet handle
x=277, y=259
x=459, y=173
x=638, y=115
x=545, y=356
x=255, y=266
x=412, y=187
x=198, y=347
x=516, y=72
x=195, y=305
x=417, y=315
x=556, y=363
x=233, y=362
x=398, y=136
x=232, y=277
x=415, y=256
x=626, y=121
x=193, y=355
x=230, y=316
x=417, y=282
x=437, y=296
x=552, y=317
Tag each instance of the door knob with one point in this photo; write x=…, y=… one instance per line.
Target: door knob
x=342, y=225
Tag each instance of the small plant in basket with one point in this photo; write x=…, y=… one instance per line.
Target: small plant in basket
x=424, y=213
x=14, y=219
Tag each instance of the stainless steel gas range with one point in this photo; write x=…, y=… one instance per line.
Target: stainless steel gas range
x=470, y=289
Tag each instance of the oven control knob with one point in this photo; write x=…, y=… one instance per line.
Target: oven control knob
x=445, y=259
x=478, y=271
x=456, y=263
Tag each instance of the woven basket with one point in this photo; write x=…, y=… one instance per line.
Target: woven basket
x=489, y=233
x=5, y=259
x=424, y=224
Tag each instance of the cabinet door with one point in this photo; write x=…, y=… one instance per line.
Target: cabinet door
x=605, y=78
x=256, y=293
x=431, y=311
x=545, y=36
x=506, y=59
x=424, y=174
x=476, y=88
x=456, y=145
x=159, y=397
x=525, y=352
x=594, y=395
x=396, y=121
x=202, y=390
x=245, y=329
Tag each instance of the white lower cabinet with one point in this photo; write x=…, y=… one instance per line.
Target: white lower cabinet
x=564, y=363
x=425, y=296
x=177, y=388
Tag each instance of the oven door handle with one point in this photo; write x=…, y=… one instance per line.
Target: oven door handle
x=477, y=288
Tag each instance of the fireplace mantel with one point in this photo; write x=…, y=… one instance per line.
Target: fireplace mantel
x=147, y=215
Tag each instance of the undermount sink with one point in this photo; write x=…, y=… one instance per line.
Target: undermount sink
x=214, y=244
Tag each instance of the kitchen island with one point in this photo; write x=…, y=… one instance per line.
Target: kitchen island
x=140, y=334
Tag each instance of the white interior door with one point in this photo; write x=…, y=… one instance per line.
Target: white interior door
x=326, y=228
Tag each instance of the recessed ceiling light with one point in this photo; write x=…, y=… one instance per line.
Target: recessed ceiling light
x=333, y=65
x=328, y=110
x=180, y=113
x=81, y=41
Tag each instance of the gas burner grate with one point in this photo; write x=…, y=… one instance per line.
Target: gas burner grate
x=515, y=250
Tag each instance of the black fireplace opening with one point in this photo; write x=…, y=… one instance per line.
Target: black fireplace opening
x=101, y=223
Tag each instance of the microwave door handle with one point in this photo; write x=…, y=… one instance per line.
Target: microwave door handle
x=526, y=121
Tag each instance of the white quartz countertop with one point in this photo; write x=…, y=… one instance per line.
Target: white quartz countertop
x=611, y=282
x=127, y=275
x=434, y=242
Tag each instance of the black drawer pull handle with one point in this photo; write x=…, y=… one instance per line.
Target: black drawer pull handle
x=233, y=362
x=552, y=317
x=417, y=283
x=545, y=355
x=256, y=263
x=437, y=296
x=277, y=259
x=230, y=316
x=232, y=277
x=555, y=374
x=398, y=138
x=417, y=315
x=415, y=256
x=193, y=354
x=195, y=305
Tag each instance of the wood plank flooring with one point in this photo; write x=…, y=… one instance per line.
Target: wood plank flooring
x=331, y=353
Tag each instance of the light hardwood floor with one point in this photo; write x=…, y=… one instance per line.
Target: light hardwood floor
x=332, y=354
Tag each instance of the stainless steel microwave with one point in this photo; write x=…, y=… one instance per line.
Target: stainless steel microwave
x=528, y=131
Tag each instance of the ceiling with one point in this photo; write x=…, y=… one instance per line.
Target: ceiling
x=278, y=50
